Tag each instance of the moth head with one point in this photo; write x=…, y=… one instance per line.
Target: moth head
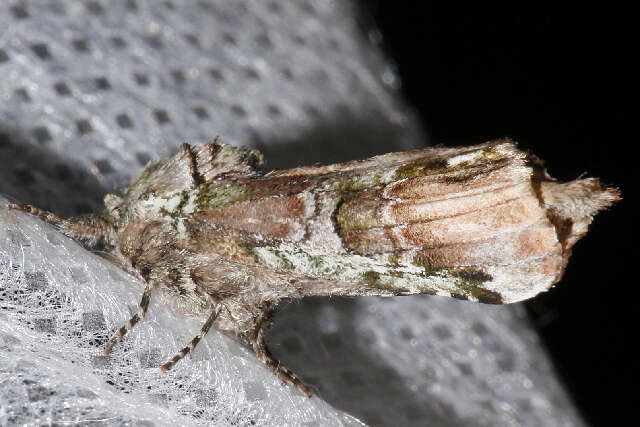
x=113, y=208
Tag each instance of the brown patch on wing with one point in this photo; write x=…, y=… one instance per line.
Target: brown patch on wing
x=268, y=218
x=508, y=248
x=457, y=182
x=480, y=224
x=363, y=212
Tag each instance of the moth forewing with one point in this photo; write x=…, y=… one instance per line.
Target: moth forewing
x=483, y=223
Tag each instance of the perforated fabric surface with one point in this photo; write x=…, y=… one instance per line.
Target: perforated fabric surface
x=89, y=93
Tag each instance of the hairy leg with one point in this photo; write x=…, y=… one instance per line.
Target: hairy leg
x=182, y=353
x=90, y=229
x=142, y=309
x=264, y=355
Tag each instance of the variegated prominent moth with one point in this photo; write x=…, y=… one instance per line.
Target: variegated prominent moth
x=484, y=223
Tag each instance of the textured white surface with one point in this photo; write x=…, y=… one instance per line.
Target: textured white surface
x=89, y=92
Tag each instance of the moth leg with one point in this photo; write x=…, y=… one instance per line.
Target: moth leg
x=142, y=309
x=264, y=355
x=90, y=229
x=182, y=353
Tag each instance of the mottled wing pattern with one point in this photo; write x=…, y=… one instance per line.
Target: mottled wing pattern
x=476, y=222
x=458, y=222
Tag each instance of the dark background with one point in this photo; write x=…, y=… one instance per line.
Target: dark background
x=557, y=81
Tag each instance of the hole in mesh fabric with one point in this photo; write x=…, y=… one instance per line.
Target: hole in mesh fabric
x=62, y=89
x=286, y=73
x=274, y=7
x=204, y=5
x=141, y=79
x=216, y=74
x=442, y=332
x=201, y=113
x=334, y=44
x=42, y=50
x=307, y=7
x=331, y=341
x=143, y=158
x=506, y=362
x=19, y=12
x=238, y=110
x=24, y=176
x=480, y=329
x=41, y=134
x=252, y=74
x=229, y=39
x=23, y=95
x=406, y=333
x=178, y=76
x=118, y=42
x=168, y=5
x=263, y=40
x=192, y=39
x=57, y=8
x=132, y=5
x=319, y=76
x=80, y=45
x=124, y=121
x=155, y=42
x=104, y=166
x=465, y=369
x=3, y=56
x=273, y=110
x=298, y=39
x=84, y=126
x=161, y=116
x=102, y=83
x=95, y=7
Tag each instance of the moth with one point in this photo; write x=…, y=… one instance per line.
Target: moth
x=482, y=223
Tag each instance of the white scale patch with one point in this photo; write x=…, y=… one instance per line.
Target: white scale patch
x=462, y=158
x=356, y=269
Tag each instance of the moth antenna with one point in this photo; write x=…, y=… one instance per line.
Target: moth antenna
x=90, y=229
x=142, y=309
x=192, y=345
x=49, y=217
